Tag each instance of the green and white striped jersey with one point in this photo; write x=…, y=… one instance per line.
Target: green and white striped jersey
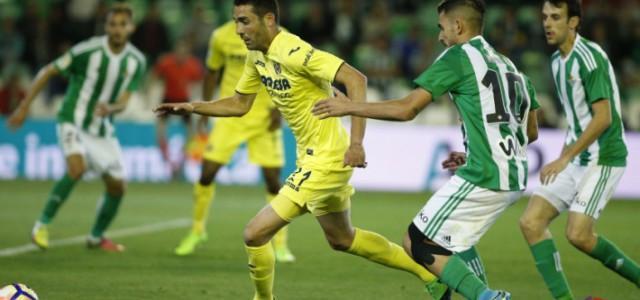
x=582, y=78
x=97, y=75
x=493, y=99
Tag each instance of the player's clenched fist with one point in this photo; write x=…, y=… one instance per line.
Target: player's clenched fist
x=355, y=157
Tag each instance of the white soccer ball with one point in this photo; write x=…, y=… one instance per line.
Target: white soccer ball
x=17, y=291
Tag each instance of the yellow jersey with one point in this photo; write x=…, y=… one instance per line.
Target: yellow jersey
x=296, y=76
x=228, y=51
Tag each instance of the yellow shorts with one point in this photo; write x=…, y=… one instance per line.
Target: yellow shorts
x=265, y=147
x=317, y=191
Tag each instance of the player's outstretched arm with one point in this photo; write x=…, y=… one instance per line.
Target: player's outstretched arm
x=42, y=78
x=103, y=109
x=356, y=85
x=600, y=121
x=209, y=85
x=235, y=106
x=404, y=109
x=532, y=126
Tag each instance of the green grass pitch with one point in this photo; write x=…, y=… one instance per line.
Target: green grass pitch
x=149, y=270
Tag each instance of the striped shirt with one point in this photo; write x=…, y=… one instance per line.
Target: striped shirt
x=493, y=99
x=97, y=75
x=582, y=78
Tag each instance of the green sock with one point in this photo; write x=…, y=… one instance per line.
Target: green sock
x=611, y=256
x=58, y=195
x=473, y=261
x=106, y=213
x=459, y=277
x=547, y=260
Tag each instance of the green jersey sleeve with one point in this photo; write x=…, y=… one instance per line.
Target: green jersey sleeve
x=531, y=90
x=64, y=63
x=596, y=82
x=134, y=85
x=444, y=75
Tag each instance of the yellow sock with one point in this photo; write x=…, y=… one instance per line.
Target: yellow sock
x=377, y=248
x=262, y=268
x=280, y=238
x=202, y=197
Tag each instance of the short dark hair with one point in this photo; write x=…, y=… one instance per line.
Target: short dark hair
x=574, y=7
x=476, y=5
x=121, y=8
x=262, y=7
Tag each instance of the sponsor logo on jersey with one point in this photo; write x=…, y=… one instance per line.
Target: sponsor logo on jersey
x=276, y=84
x=294, y=50
x=424, y=218
x=511, y=148
x=308, y=57
x=237, y=57
x=277, y=68
x=274, y=94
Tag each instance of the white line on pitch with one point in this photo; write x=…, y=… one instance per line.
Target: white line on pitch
x=125, y=232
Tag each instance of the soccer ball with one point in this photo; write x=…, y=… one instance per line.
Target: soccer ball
x=17, y=291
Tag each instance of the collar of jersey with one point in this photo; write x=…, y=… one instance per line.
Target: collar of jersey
x=273, y=48
x=108, y=51
x=573, y=48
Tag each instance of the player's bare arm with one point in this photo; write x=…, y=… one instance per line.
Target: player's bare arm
x=42, y=78
x=209, y=85
x=599, y=123
x=275, y=119
x=235, y=106
x=532, y=126
x=356, y=85
x=404, y=109
x=103, y=109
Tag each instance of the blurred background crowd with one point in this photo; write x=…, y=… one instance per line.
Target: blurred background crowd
x=392, y=42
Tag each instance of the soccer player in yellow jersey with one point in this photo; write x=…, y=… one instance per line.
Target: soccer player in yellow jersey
x=297, y=76
x=259, y=128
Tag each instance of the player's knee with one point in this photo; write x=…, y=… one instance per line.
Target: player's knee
x=209, y=171
x=580, y=239
x=406, y=244
x=423, y=250
x=207, y=176
x=272, y=180
x=273, y=187
x=252, y=236
x=116, y=188
x=530, y=226
x=75, y=171
x=339, y=243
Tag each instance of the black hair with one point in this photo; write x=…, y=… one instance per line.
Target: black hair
x=574, y=7
x=476, y=5
x=262, y=7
